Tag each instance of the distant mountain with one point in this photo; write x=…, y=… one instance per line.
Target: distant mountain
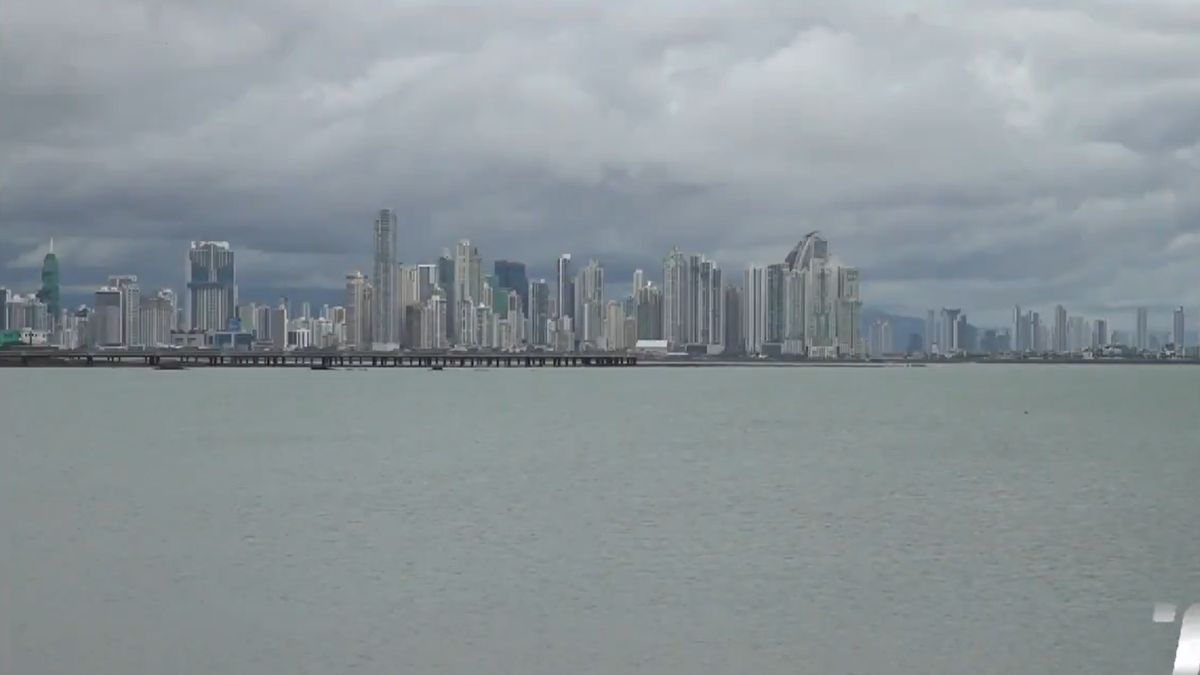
x=902, y=327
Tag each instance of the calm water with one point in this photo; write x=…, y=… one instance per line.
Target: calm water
x=689, y=522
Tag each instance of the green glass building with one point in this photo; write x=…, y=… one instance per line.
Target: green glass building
x=49, y=290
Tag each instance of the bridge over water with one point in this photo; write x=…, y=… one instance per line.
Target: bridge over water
x=303, y=359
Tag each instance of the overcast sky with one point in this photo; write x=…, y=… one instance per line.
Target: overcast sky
x=977, y=153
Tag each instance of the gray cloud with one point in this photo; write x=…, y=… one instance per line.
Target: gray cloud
x=962, y=153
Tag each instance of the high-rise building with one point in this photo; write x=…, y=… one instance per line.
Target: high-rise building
x=776, y=302
x=385, y=317
x=211, y=285
x=358, y=311
x=468, y=290
x=106, y=322
x=1141, y=340
x=433, y=321
x=648, y=312
x=830, y=301
x=408, y=285
x=49, y=290
x=734, y=325
x=279, y=326
x=1100, y=336
x=262, y=323
x=445, y=281
x=693, y=300
x=589, y=303
x=1061, y=338
x=131, y=315
x=676, y=298
x=564, y=296
x=794, y=308
x=614, y=326
x=1079, y=334
x=946, y=341
x=848, y=309
x=880, y=338
x=539, y=312
x=1020, y=340
x=512, y=275
x=27, y=312
x=427, y=280
x=710, y=304
x=754, y=308
x=931, y=330
x=1178, y=338
x=157, y=317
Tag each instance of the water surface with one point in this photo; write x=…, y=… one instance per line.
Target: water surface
x=963, y=519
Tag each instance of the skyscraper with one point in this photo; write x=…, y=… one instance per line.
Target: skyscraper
x=565, y=287
x=106, y=324
x=211, y=285
x=385, y=322
x=445, y=280
x=1141, y=338
x=49, y=290
x=946, y=341
x=754, y=308
x=734, y=344
x=1020, y=331
x=693, y=300
x=1177, y=336
x=1061, y=341
x=710, y=304
x=589, y=303
x=648, y=308
x=931, y=337
x=830, y=300
x=157, y=318
x=1100, y=333
x=776, y=306
x=279, y=325
x=675, y=299
x=131, y=307
x=468, y=290
x=539, y=312
x=358, y=311
x=512, y=275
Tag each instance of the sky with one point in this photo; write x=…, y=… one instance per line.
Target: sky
x=961, y=153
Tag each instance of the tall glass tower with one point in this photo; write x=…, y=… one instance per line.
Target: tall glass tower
x=49, y=290
x=385, y=326
x=211, y=285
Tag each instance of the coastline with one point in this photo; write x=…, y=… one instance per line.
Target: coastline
x=174, y=361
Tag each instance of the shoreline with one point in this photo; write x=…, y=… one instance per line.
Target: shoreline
x=47, y=361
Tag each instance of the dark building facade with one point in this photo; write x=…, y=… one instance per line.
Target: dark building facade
x=49, y=290
x=512, y=275
x=445, y=279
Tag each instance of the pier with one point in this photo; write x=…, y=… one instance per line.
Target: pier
x=172, y=359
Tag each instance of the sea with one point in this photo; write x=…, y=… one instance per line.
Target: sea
x=964, y=519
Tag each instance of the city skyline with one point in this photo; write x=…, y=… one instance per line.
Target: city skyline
x=974, y=155
x=454, y=302
x=1160, y=315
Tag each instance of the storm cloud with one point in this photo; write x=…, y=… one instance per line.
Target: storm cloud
x=973, y=153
